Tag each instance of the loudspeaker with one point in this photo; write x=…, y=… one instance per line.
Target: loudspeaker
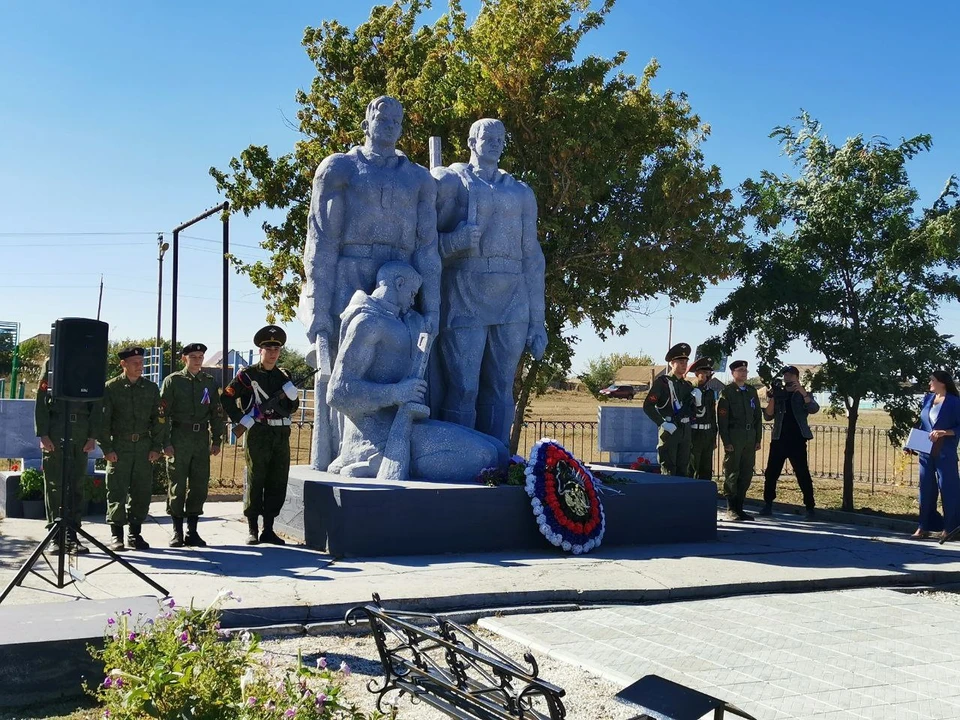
x=78, y=359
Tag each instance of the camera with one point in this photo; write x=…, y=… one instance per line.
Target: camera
x=776, y=387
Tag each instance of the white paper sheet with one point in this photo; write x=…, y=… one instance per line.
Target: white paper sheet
x=919, y=441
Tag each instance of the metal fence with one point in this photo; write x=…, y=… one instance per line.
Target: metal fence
x=875, y=460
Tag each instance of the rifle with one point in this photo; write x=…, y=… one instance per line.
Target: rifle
x=272, y=403
x=396, y=453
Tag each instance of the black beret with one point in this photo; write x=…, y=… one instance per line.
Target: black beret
x=791, y=369
x=130, y=352
x=192, y=348
x=678, y=352
x=270, y=336
x=738, y=364
x=702, y=364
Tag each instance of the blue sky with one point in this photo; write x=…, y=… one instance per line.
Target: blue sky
x=112, y=113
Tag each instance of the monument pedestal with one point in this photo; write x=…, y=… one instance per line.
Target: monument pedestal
x=352, y=517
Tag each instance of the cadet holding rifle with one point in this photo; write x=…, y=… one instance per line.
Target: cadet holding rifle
x=259, y=401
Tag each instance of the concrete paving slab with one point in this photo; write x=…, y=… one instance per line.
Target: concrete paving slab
x=295, y=584
x=869, y=676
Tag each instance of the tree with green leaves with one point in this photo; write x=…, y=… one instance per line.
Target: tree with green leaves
x=602, y=371
x=628, y=209
x=850, y=267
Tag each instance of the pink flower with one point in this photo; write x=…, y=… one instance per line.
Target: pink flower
x=270, y=705
x=290, y=713
x=251, y=701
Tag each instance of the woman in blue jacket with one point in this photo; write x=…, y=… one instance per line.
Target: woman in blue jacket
x=940, y=416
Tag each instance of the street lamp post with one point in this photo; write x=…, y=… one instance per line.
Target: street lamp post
x=162, y=248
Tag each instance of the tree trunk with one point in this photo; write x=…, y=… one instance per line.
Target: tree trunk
x=848, y=449
x=529, y=381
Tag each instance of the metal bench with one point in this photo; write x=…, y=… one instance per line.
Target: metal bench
x=443, y=664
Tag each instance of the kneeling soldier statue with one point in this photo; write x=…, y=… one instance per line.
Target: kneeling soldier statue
x=131, y=442
x=259, y=401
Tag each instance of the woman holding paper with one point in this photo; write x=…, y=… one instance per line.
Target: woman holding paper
x=940, y=417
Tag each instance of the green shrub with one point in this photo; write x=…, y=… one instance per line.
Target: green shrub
x=31, y=485
x=180, y=664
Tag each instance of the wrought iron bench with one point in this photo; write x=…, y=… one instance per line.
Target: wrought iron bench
x=443, y=664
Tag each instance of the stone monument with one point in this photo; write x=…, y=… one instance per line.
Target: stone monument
x=492, y=284
x=369, y=206
x=378, y=386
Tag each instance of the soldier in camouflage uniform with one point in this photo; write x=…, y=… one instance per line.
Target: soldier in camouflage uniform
x=670, y=405
x=193, y=427
x=84, y=418
x=132, y=441
x=268, y=434
x=703, y=426
x=741, y=429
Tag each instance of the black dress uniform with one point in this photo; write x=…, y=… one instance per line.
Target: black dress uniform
x=267, y=448
x=703, y=427
x=670, y=405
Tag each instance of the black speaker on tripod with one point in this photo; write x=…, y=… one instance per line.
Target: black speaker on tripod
x=78, y=359
x=78, y=372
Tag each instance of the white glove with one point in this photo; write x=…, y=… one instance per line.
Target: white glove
x=290, y=390
x=247, y=421
x=668, y=427
x=697, y=396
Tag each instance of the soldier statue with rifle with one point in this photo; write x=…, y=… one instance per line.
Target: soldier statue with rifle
x=260, y=401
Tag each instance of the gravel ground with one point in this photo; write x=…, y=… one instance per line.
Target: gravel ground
x=588, y=696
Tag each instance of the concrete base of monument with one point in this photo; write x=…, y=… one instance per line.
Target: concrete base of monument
x=350, y=517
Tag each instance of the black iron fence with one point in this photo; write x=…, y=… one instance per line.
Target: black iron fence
x=876, y=461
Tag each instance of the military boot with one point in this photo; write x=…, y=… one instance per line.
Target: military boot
x=268, y=535
x=766, y=510
x=193, y=538
x=74, y=545
x=741, y=513
x=177, y=539
x=731, y=514
x=116, y=538
x=253, y=538
x=135, y=540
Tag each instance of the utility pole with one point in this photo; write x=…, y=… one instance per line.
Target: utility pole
x=100, y=299
x=670, y=331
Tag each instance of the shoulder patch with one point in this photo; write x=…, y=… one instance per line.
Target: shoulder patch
x=651, y=397
x=43, y=386
x=722, y=411
x=230, y=391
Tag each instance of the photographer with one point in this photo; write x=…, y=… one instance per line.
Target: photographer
x=788, y=405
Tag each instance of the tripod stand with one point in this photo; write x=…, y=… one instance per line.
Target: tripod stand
x=63, y=527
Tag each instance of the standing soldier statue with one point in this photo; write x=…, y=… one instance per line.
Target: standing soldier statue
x=741, y=429
x=703, y=426
x=131, y=442
x=259, y=401
x=670, y=404
x=193, y=419
x=84, y=418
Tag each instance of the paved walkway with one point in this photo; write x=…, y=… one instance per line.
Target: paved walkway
x=294, y=584
x=860, y=654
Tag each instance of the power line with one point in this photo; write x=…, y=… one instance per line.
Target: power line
x=73, y=234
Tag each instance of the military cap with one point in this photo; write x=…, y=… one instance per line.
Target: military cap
x=791, y=369
x=702, y=364
x=192, y=348
x=680, y=351
x=129, y=352
x=270, y=336
x=738, y=364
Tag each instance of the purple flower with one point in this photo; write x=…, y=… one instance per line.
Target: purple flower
x=321, y=663
x=321, y=699
x=290, y=712
x=184, y=637
x=193, y=647
x=132, y=637
x=128, y=611
x=169, y=602
x=107, y=682
x=251, y=701
x=270, y=705
x=344, y=668
x=111, y=621
x=118, y=683
x=106, y=713
x=129, y=654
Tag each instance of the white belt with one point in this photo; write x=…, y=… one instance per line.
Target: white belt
x=276, y=422
x=701, y=426
x=682, y=421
